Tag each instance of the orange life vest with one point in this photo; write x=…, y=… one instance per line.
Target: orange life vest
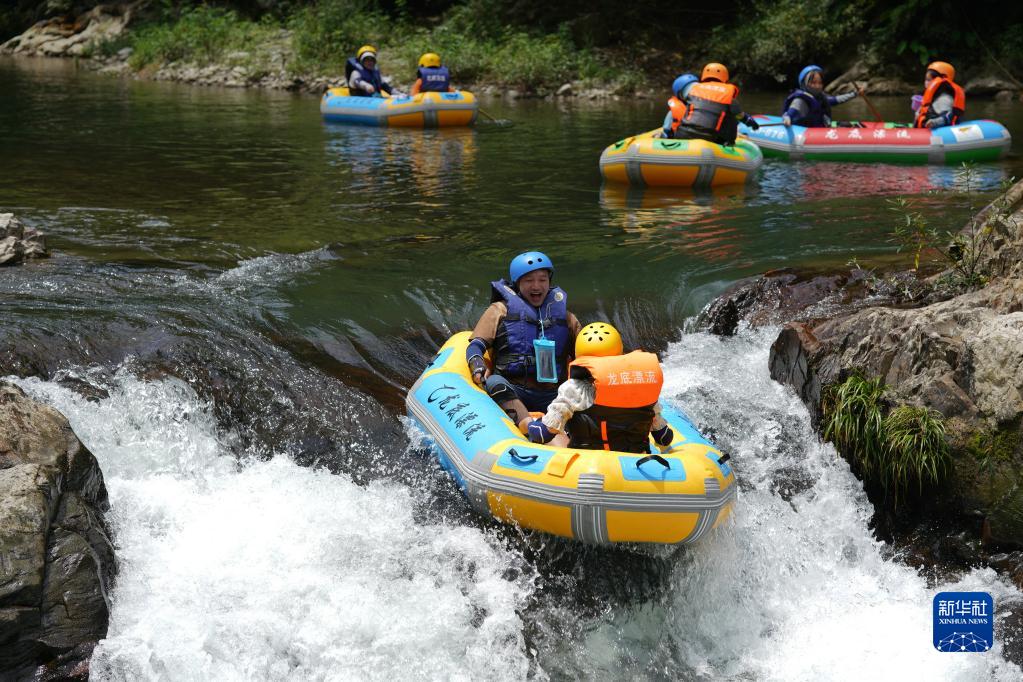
x=958, y=101
x=627, y=388
x=708, y=106
x=678, y=111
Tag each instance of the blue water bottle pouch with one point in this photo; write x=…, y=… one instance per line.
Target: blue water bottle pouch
x=546, y=361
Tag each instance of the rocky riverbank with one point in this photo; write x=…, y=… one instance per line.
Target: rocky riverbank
x=56, y=558
x=87, y=38
x=958, y=354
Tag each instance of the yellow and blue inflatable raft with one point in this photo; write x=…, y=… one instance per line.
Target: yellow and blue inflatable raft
x=593, y=496
x=645, y=160
x=425, y=110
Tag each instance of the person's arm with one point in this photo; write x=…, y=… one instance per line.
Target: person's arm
x=796, y=111
x=843, y=98
x=483, y=335
x=385, y=86
x=659, y=429
x=415, y=86
x=940, y=113
x=355, y=82
x=737, y=110
x=574, y=395
x=668, y=120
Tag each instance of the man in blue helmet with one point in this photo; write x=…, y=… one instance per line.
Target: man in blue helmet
x=530, y=334
x=808, y=105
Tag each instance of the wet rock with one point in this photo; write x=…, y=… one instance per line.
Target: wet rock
x=58, y=561
x=18, y=243
x=1006, y=96
x=989, y=85
x=962, y=357
x=565, y=90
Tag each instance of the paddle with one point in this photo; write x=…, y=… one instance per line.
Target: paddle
x=497, y=121
x=870, y=105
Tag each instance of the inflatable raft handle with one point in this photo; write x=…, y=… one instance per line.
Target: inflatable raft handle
x=528, y=459
x=656, y=458
x=724, y=458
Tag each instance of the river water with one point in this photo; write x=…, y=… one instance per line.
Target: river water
x=239, y=295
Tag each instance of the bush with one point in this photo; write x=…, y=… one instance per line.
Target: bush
x=328, y=32
x=200, y=34
x=780, y=38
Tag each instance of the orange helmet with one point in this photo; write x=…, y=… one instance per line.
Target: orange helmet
x=715, y=71
x=943, y=68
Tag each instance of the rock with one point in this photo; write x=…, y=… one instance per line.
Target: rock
x=10, y=226
x=1006, y=96
x=989, y=85
x=11, y=251
x=60, y=38
x=18, y=242
x=513, y=94
x=565, y=90
x=58, y=561
x=962, y=357
x=125, y=52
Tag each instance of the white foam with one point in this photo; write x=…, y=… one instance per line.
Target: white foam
x=268, y=570
x=799, y=589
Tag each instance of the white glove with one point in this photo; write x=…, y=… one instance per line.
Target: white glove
x=368, y=87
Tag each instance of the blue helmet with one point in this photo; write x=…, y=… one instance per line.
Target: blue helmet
x=527, y=262
x=805, y=73
x=681, y=82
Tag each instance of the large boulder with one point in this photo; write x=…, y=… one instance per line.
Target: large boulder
x=962, y=357
x=60, y=37
x=57, y=559
x=18, y=242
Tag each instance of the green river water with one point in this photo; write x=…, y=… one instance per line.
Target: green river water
x=233, y=279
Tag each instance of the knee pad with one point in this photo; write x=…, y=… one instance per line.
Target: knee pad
x=497, y=387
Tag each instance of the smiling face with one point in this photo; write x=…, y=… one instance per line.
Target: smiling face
x=533, y=286
x=815, y=81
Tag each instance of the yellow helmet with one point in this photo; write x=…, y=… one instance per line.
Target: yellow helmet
x=716, y=71
x=943, y=68
x=598, y=339
x=430, y=60
x=366, y=51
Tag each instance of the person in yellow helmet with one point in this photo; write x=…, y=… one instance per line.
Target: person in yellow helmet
x=431, y=76
x=712, y=110
x=611, y=400
x=364, y=79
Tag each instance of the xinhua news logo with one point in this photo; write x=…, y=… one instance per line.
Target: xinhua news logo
x=963, y=621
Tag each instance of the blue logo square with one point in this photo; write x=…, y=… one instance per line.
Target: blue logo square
x=963, y=621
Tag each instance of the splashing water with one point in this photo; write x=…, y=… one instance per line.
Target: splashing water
x=267, y=570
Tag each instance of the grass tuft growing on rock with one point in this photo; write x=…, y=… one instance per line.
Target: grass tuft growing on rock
x=894, y=447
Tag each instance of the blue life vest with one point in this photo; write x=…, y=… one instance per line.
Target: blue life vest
x=513, y=346
x=819, y=115
x=435, y=79
x=371, y=76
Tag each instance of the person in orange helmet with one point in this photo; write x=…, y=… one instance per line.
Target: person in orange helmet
x=943, y=102
x=611, y=400
x=712, y=110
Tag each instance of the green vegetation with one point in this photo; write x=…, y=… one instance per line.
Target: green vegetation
x=963, y=253
x=201, y=35
x=892, y=446
x=531, y=44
